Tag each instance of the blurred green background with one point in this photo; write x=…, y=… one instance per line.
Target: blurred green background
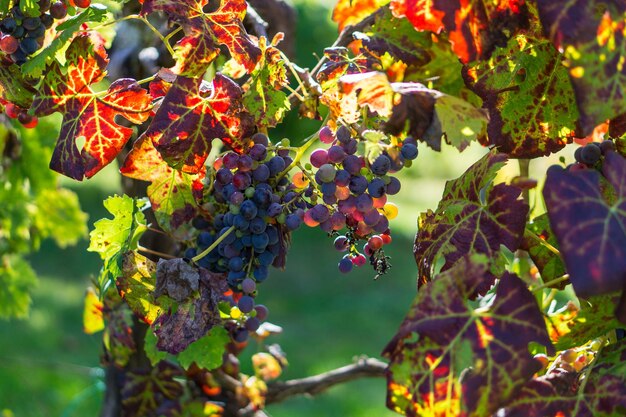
x=48, y=367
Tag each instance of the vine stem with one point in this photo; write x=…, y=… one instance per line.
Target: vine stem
x=154, y=252
x=213, y=246
x=552, y=282
x=544, y=243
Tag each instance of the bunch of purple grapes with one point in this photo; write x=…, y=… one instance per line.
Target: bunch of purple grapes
x=354, y=194
x=254, y=207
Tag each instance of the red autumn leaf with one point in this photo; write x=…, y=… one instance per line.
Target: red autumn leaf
x=89, y=115
x=349, y=12
x=475, y=27
x=192, y=114
x=204, y=32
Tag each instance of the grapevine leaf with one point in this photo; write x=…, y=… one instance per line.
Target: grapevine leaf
x=36, y=65
x=595, y=318
x=449, y=359
x=537, y=234
x=475, y=27
x=30, y=8
x=193, y=318
x=415, y=109
x=17, y=278
x=136, y=284
x=173, y=194
x=204, y=32
x=562, y=394
x=265, y=99
x=586, y=31
x=93, y=320
x=349, y=12
x=372, y=89
x=473, y=216
x=206, y=352
x=532, y=110
x=13, y=88
x=149, y=346
x=589, y=222
x=87, y=114
x=144, y=391
x=177, y=279
x=338, y=63
x=461, y=123
x=60, y=216
x=192, y=114
x=111, y=238
x=118, y=335
x=395, y=37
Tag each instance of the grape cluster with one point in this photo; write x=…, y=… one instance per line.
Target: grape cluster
x=22, y=35
x=253, y=207
x=354, y=193
x=589, y=155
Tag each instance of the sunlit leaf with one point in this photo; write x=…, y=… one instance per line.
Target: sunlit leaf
x=136, y=285
x=349, y=12
x=460, y=122
x=526, y=90
x=111, y=238
x=475, y=27
x=205, y=32
x=86, y=114
x=591, y=36
x=59, y=216
x=13, y=87
x=473, y=216
x=173, y=194
x=192, y=114
x=449, y=359
x=93, y=320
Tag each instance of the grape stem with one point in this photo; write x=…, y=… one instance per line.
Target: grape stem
x=154, y=252
x=551, y=283
x=543, y=243
x=300, y=152
x=213, y=246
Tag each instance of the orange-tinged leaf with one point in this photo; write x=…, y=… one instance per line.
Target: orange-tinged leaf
x=88, y=115
x=93, y=321
x=349, y=12
x=475, y=27
x=372, y=90
x=192, y=114
x=172, y=193
x=204, y=32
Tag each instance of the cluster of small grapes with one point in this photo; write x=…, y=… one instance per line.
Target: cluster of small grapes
x=23, y=35
x=253, y=207
x=16, y=112
x=589, y=155
x=354, y=194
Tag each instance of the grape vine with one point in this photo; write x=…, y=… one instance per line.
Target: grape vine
x=485, y=336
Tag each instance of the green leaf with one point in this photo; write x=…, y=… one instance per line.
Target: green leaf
x=111, y=238
x=30, y=8
x=149, y=346
x=13, y=87
x=16, y=280
x=206, y=352
x=461, y=123
x=596, y=318
x=59, y=216
x=36, y=65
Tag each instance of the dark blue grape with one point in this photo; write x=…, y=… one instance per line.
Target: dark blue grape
x=262, y=196
x=205, y=239
x=252, y=324
x=276, y=165
x=341, y=243
x=336, y=154
x=343, y=134
x=394, y=186
x=235, y=264
x=261, y=311
x=352, y=164
x=266, y=258
x=409, y=151
x=261, y=173
x=381, y=165
x=376, y=188
x=345, y=265
x=274, y=209
x=240, y=335
x=293, y=222
x=342, y=178
x=260, y=138
x=260, y=241
x=232, y=250
x=245, y=162
x=258, y=152
x=320, y=213
x=240, y=222
x=260, y=273
x=331, y=200
x=200, y=223
x=329, y=188
x=358, y=184
x=257, y=225
x=248, y=210
x=364, y=203
x=190, y=253
x=382, y=226
x=224, y=176
x=350, y=146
